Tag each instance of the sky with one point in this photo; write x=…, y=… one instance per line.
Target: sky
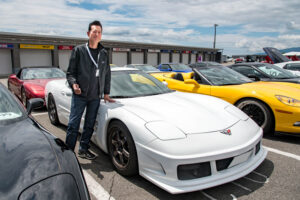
x=244, y=26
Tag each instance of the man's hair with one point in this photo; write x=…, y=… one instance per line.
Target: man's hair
x=96, y=23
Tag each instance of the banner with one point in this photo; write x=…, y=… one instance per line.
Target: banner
x=6, y=46
x=36, y=46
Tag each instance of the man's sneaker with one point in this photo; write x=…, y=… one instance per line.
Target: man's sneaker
x=87, y=155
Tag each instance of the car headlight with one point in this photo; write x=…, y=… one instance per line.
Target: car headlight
x=164, y=130
x=288, y=100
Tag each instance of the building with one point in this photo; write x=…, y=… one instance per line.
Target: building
x=19, y=50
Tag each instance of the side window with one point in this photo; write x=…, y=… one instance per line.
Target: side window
x=245, y=70
x=286, y=66
x=165, y=67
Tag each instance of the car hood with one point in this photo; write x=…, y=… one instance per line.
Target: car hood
x=26, y=156
x=191, y=113
x=275, y=55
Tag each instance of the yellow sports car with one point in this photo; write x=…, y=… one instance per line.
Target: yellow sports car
x=274, y=106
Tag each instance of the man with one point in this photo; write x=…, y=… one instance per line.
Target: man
x=88, y=75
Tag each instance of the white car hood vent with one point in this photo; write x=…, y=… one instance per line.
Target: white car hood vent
x=191, y=113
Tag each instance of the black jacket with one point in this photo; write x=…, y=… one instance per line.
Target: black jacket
x=80, y=70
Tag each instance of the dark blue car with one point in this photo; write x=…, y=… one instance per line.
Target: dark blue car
x=174, y=67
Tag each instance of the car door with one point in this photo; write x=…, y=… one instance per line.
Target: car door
x=63, y=101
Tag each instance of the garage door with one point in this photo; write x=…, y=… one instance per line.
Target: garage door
x=152, y=58
x=165, y=58
x=193, y=58
x=185, y=58
x=175, y=57
x=119, y=58
x=35, y=57
x=137, y=58
x=63, y=59
x=5, y=62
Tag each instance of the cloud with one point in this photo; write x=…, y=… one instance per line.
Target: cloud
x=245, y=26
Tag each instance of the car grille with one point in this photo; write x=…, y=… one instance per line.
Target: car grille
x=192, y=171
x=223, y=164
x=200, y=170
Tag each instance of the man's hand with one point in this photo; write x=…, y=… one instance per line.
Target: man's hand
x=76, y=89
x=107, y=98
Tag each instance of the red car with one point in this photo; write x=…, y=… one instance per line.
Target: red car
x=30, y=82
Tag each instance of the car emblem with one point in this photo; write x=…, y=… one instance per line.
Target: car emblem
x=226, y=132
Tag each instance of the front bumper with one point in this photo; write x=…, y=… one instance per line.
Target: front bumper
x=288, y=121
x=162, y=168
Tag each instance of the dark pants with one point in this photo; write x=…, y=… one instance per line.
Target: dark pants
x=78, y=105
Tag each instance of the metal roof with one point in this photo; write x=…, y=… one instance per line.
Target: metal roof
x=8, y=37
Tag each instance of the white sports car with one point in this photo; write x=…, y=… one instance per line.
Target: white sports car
x=292, y=66
x=181, y=142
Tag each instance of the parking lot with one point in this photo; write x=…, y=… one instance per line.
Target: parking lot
x=276, y=178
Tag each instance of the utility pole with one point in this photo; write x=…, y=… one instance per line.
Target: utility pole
x=215, y=35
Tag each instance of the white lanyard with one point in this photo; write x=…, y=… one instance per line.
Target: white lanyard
x=92, y=56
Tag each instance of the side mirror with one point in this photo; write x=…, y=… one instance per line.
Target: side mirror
x=253, y=77
x=191, y=81
x=34, y=103
x=165, y=83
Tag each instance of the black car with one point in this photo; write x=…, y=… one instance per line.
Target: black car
x=265, y=72
x=34, y=163
x=204, y=64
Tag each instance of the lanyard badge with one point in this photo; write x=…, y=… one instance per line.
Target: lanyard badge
x=95, y=63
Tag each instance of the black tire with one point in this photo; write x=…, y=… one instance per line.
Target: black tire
x=259, y=112
x=52, y=111
x=122, y=149
x=24, y=98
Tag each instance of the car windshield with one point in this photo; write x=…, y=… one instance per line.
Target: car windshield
x=134, y=83
x=10, y=110
x=180, y=67
x=146, y=68
x=275, y=71
x=219, y=75
x=42, y=73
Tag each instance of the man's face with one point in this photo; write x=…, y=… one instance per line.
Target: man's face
x=95, y=34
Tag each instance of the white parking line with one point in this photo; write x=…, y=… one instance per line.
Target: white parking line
x=241, y=186
x=208, y=196
x=38, y=114
x=283, y=153
x=95, y=188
